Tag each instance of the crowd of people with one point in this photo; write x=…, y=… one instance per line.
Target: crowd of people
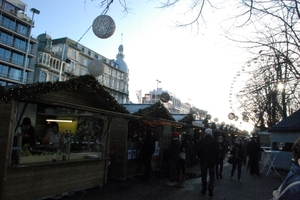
x=210, y=152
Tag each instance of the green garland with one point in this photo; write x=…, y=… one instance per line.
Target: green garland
x=22, y=92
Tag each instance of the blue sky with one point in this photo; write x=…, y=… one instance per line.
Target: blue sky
x=196, y=64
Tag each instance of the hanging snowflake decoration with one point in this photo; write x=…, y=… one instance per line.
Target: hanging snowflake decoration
x=96, y=68
x=104, y=26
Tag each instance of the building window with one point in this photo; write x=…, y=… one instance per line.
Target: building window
x=71, y=67
x=6, y=39
x=92, y=54
x=73, y=53
x=3, y=83
x=9, y=7
x=8, y=23
x=109, y=71
x=54, y=78
x=4, y=54
x=42, y=76
x=40, y=58
x=23, y=30
x=3, y=70
x=20, y=44
x=15, y=74
x=85, y=62
x=57, y=64
x=100, y=79
x=112, y=83
x=17, y=59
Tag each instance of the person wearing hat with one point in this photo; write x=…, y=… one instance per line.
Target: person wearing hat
x=207, y=151
x=173, y=157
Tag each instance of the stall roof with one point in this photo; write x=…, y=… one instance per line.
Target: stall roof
x=290, y=123
x=87, y=84
x=154, y=114
x=179, y=117
x=156, y=110
x=132, y=107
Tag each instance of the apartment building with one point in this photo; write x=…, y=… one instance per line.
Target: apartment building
x=17, y=48
x=174, y=105
x=63, y=58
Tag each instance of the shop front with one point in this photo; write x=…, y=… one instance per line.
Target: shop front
x=127, y=145
x=83, y=112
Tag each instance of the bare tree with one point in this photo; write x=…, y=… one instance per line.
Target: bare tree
x=274, y=43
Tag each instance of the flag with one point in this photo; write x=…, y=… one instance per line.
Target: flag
x=138, y=95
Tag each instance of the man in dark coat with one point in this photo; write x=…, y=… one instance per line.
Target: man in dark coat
x=148, y=148
x=254, y=153
x=207, y=151
x=173, y=157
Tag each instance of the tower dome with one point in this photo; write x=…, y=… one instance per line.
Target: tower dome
x=120, y=60
x=45, y=41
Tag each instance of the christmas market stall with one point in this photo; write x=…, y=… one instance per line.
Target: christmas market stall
x=282, y=137
x=126, y=147
x=84, y=113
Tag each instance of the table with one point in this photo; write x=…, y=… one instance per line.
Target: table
x=269, y=157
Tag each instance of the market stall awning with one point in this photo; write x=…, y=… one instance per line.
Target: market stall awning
x=290, y=123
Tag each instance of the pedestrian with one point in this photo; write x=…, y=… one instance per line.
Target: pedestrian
x=190, y=152
x=290, y=187
x=207, y=151
x=181, y=165
x=254, y=154
x=238, y=154
x=147, y=150
x=173, y=157
x=221, y=156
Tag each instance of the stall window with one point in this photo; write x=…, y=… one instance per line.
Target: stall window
x=81, y=136
x=282, y=146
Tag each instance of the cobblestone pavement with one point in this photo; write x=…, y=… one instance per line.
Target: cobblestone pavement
x=252, y=187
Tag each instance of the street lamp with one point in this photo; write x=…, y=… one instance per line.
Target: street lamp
x=157, y=81
x=34, y=11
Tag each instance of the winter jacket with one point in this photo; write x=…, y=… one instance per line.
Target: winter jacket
x=237, y=151
x=174, y=148
x=294, y=191
x=207, y=149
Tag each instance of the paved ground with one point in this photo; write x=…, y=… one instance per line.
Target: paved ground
x=251, y=188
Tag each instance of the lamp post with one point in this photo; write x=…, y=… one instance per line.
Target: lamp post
x=34, y=11
x=157, y=82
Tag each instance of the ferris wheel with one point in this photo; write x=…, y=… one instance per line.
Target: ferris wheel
x=242, y=76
